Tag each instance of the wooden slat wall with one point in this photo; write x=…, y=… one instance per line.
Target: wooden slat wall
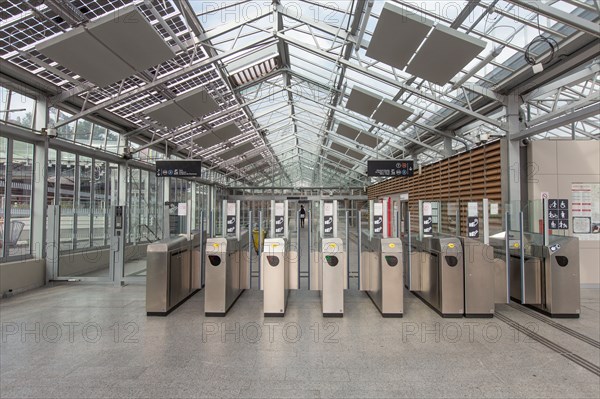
x=470, y=176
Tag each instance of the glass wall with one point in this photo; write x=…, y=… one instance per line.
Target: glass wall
x=16, y=179
x=19, y=240
x=66, y=195
x=145, y=207
x=83, y=188
x=3, y=168
x=83, y=215
x=87, y=133
x=20, y=108
x=99, y=204
x=201, y=204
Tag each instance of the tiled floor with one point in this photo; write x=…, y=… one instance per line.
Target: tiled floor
x=79, y=341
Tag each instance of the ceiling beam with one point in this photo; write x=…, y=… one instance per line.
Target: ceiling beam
x=182, y=72
x=576, y=116
x=554, y=13
x=359, y=68
x=464, y=14
x=569, y=80
x=593, y=97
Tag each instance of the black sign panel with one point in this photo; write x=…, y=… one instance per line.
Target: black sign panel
x=427, y=224
x=378, y=224
x=178, y=168
x=231, y=224
x=387, y=168
x=328, y=224
x=473, y=227
x=558, y=214
x=279, y=224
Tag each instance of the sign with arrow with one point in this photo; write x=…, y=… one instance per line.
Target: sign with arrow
x=389, y=168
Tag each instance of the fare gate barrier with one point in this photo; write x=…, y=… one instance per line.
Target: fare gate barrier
x=332, y=265
x=547, y=278
x=441, y=271
x=383, y=274
x=479, y=268
x=224, y=274
x=276, y=276
x=174, y=272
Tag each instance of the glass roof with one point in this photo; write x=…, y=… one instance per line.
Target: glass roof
x=283, y=72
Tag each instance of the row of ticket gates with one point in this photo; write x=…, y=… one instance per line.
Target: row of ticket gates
x=455, y=276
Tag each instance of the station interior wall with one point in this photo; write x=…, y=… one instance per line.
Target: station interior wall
x=553, y=166
x=22, y=275
x=469, y=176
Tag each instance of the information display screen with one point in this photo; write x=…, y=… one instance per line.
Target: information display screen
x=389, y=168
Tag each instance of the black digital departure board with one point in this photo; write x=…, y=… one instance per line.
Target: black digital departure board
x=179, y=168
x=390, y=168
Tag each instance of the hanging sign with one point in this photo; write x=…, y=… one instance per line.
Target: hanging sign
x=179, y=168
x=389, y=168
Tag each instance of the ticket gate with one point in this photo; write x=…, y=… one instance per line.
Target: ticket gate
x=224, y=274
x=441, y=271
x=551, y=274
x=332, y=277
x=174, y=272
x=381, y=266
x=412, y=259
x=275, y=273
x=479, y=285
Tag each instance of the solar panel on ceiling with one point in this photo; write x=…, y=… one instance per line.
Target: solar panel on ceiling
x=109, y=49
x=333, y=158
x=227, y=131
x=367, y=140
x=347, y=131
x=355, y=154
x=197, y=103
x=228, y=154
x=249, y=161
x=362, y=101
x=168, y=114
x=207, y=140
x=346, y=164
x=397, y=35
x=131, y=37
x=339, y=148
x=244, y=148
x=391, y=113
x=81, y=53
x=443, y=55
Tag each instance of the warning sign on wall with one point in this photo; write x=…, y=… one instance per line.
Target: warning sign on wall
x=585, y=209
